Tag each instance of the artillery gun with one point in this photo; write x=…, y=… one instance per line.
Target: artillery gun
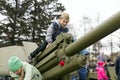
x=64, y=48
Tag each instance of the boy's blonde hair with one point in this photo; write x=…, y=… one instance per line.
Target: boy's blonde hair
x=65, y=16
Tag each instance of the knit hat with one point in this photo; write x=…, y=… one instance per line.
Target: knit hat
x=14, y=63
x=100, y=63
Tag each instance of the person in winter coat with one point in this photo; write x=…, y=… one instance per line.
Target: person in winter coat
x=103, y=58
x=117, y=67
x=83, y=71
x=20, y=70
x=101, y=73
x=53, y=31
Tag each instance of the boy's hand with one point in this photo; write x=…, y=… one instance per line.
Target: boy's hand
x=48, y=45
x=22, y=75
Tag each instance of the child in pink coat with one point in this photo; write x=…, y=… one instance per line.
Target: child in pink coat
x=101, y=73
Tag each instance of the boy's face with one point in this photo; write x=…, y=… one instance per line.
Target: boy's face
x=18, y=72
x=63, y=22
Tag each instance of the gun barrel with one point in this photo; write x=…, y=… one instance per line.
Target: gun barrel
x=102, y=30
x=59, y=71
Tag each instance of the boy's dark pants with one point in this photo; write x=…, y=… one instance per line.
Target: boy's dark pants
x=40, y=48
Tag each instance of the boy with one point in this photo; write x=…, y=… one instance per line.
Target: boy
x=22, y=70
x=52, y=32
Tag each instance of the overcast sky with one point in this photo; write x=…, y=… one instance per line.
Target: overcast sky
x=105, y=8
x=79, y=8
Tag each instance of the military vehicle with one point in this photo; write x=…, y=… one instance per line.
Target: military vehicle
x=48, y=61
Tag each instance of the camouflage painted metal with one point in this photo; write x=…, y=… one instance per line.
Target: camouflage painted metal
x=63, y=49
x=102, y=30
